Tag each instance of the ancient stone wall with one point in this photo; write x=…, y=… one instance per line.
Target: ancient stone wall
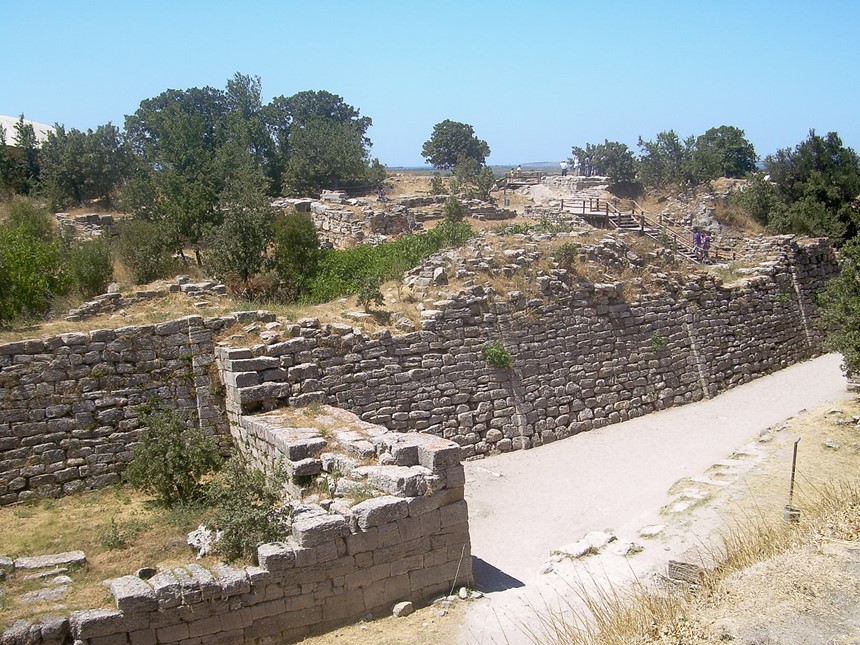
x=70, y=404
x=339, y=564
x=584, y=355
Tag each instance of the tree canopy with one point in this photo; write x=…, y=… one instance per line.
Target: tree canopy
x=610, y=158
x=452, y=143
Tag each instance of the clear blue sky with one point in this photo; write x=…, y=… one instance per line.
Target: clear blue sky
x=533, y=77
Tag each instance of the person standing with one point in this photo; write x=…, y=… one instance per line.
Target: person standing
x=697, y=244
x=563, y=164
x=706, y=246
x=576, y=166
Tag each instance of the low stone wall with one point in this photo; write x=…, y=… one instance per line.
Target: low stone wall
x=585, y=355
x=341, y=562
x=70, y=404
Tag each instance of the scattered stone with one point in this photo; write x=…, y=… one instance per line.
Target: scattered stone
x=685, y=572
x=46, y=574
x=477, y=595
x=402, y=609
x=830, y=443
x=203, y=540
x=60, y=580
x=590, y=544
x=463, y=593
x=651, y=531
x=627, y=549
x=70, y=559
x=46, y=595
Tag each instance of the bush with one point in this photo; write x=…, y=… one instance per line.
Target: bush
x=453, y=211
x=30, y=274
x=437, y=186
x=369, y=293
x=567, y=254
x=246, y=510
x=171, y=458
x=143, y=249
x=296, y=253
x=89, y=266
x=496, y=354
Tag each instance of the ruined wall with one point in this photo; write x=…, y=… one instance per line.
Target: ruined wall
x=584, y=355
x=69, y=404
x=339, y=564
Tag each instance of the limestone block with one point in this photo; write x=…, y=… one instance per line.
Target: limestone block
x=232, y=581
x=93, y=623
x=379, y=510
x=403, y=481
x=313, y=530
x=167, y=589
x=133, y=594
x=276, y=556
x=206, y=582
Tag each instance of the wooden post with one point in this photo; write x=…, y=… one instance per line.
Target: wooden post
x=641, y=223
x=562, y=206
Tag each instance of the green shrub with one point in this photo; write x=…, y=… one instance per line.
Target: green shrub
x=142, y=247
x=453, y=211
x=89, y=266
x=246, y=510
x=567, y=254
x=658, y=341
x=31, y=218
x=496, y=354
x=30, y=274
x=171, y=458
x=296, y=253
x=437, y=186
x=369, y=293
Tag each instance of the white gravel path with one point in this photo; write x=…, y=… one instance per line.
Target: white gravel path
x=525, y=504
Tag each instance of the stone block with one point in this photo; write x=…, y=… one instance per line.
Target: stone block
x=133, y=594
x=93, y=623
x=232, y=581
x=379, y=510
x=68, y=559
x=276, y=556
x=167, y=589
x=403, y=481
x=452, y=514
x=310, y=531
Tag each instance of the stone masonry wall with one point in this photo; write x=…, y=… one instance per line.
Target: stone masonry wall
x=584, y=355
x=70, y=404
x=340, y=563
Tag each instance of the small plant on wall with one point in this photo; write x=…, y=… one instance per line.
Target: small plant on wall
x=658, y=341
x=496, y=354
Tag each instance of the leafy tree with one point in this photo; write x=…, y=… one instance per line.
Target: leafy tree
x=817, y=184
x=89, y=266
x=759, y=198
x=296, y=254
x=81, y=166
x=325, y=154
x=723, y=152
x=31, y=272
x=28, y=157
x=237, y=247
x=144, y=250
x=452, y=143
x=666, y=160
x=8, y=168
x=473, y=179
x=321, y=113
x=610, y=158
x=171, y=458
x=840, y=308
x=453, y=211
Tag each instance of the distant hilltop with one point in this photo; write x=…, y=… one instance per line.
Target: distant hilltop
x=9, y=122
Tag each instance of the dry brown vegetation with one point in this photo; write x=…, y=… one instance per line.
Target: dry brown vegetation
x=117, y=528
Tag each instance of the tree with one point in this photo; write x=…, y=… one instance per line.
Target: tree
x=7, y=167
x=236, y=248
x=296, y=253
x=81, y=166
x=473, y=179
x=817, y=185
x=292, y=121
x=723, y=152
x=451, y=143
x=325, y=154
x=666, y=160
x=611, y=159
x=840, y=308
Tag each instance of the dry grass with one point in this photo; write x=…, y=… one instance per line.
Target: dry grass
x=117, y=528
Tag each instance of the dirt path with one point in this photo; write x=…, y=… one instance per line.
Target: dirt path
x=526, y=504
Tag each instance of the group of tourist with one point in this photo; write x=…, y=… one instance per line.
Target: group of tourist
x=584, y=169
x=701, y=245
